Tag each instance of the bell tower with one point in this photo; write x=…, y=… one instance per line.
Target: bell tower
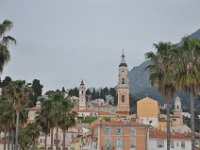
x=82, y=105
x=178, y=109
x=123, y=107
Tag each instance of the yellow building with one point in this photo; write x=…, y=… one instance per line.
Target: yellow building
x=148, y=111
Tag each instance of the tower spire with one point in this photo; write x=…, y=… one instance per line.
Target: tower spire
x=123, y=61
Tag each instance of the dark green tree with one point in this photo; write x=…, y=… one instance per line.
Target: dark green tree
x=6, y=81
x=74, y=92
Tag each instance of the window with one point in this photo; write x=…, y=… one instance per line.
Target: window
x=183, y=144
x=132, y=144
x=118, y=131
x=172, y=144
x=177, y=144
x=108, y=143
x=40, y=140
x=107, y=130
x=132, y=137
x=132, y=131
x=123, y=81
x=123, y=98
x=119, y=143
x=160, y=143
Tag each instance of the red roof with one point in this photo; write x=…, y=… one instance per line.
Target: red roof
x=104, y=113
x=85, y=110
x=163, y=135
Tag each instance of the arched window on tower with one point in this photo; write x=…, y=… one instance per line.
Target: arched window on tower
x=82, y=92
x=177, y=107
x=123, y=98
x=123, y=81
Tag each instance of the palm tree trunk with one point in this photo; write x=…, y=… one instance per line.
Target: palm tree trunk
x=9, y=139
x=56, y=137
x=192, y=120
x=12, y=138
x=5, y=139
x=52, y=139
x=168, y=125
x=34, y=145
x=17, y=130
x=63, y=140
x=45, y=141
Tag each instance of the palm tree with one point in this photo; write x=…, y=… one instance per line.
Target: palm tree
x=188, y=73
x=161, y=75
x=24, y=140
x=60, y=106
x=4, y=42
x=44, y=120
x=67, y=120
x=33, y=131
x=7, y=117
x=18, y=94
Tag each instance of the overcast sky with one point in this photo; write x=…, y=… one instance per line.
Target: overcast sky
x=62, y=42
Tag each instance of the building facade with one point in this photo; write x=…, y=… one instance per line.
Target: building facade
x=119, y=135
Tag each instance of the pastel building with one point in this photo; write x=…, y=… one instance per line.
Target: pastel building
x=71, y=135
x=148, y=110
x=158, y=141
x=119, y=135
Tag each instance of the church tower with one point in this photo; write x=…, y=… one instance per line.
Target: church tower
x=178, y=109
x=82, y=105
x=123, y=107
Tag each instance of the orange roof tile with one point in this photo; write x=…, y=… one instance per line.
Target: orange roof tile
x=104, y=113
x=85, y=110
x=163, y=135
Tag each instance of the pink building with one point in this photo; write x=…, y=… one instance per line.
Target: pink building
x=71, y=135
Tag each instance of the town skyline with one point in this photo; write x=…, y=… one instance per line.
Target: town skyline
x=84, y=40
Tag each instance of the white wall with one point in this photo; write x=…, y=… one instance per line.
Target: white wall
x=152, y=144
